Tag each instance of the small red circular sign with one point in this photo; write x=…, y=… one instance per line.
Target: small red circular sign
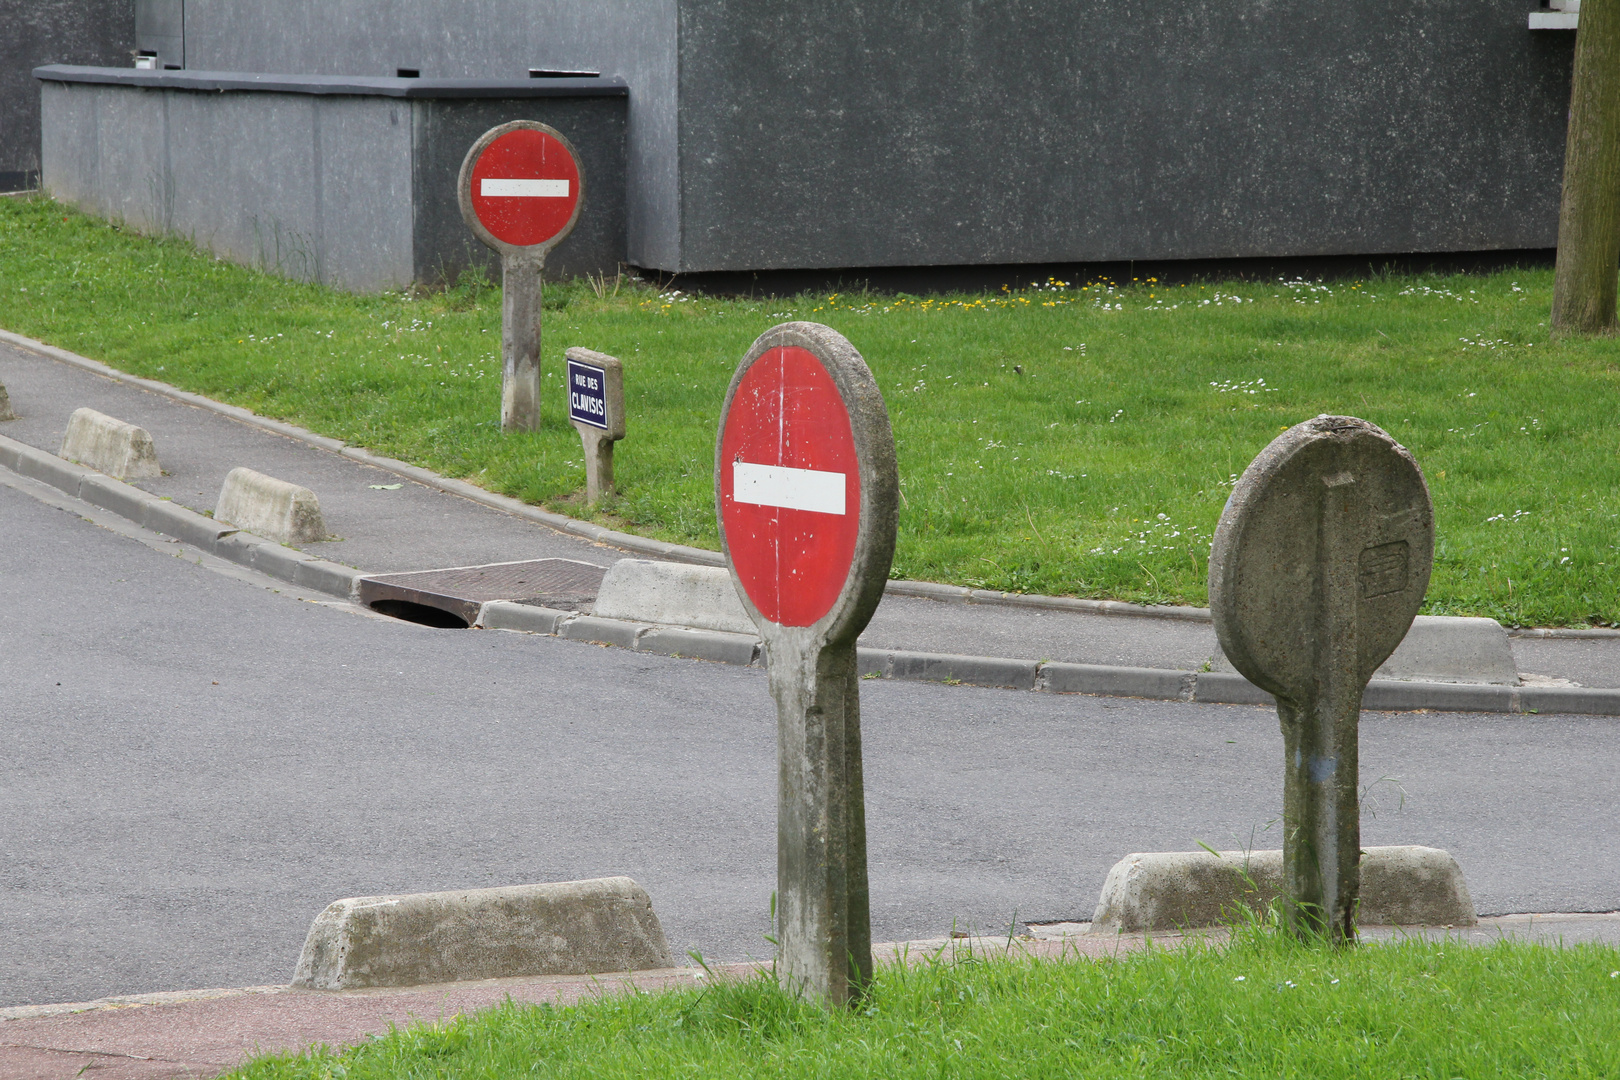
x=525, y=186
x=790, y=487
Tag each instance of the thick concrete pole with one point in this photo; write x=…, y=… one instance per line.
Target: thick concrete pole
x=1321, y=802
x=823, y=915
x=520, y=342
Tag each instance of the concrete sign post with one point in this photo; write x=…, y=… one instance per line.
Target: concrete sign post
x=1320, y=563
x=596, y=407
x=805, y=488
x=521, y=187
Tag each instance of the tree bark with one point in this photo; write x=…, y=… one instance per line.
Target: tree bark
x=1589, y=215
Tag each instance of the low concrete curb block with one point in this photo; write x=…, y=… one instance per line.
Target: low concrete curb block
x=973, y=670
x=5, y=404
x=511, y=615
x=1157, y=683
x=741, y=649
x=111, y=446
x=602, y=631
x=283, y=512
x=1400, y=886
x=676, y=594
x=564, y=928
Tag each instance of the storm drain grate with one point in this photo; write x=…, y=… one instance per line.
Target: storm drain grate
x=452, y=597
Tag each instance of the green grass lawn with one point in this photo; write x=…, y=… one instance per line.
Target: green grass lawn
x=1260, y=1008
x=1078, y=439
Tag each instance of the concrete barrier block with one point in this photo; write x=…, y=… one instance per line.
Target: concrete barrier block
x=723, y=648
x=674, y=594
x=109, y=445
x=1400, y=886
x=1443, y=648
x=1060, y=678
x=563, y=928
x=6, y=412
x=275, y=509
x=511, y=615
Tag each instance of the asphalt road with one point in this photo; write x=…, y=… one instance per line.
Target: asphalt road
x=194, y=762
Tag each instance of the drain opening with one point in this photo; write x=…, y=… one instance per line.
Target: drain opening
x=420, y=613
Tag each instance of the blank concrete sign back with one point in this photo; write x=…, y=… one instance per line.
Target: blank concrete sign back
x=120, y=450
x=1319, y=564
x=1173, y=890
x=561, y=928
x=275, y=509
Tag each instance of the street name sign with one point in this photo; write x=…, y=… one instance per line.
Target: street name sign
x=806, y=491
x=1319, y=564
x=521, y=188
x=596, y=409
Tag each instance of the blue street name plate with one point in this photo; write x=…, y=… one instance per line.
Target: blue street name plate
x=587, y=394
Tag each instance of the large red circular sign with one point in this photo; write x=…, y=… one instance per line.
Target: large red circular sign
x=525, y=187
x=790, y=487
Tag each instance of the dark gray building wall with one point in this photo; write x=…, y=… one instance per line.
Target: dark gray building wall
x=35, y=32
x=354, y=189
x=877, y=133
x=893, y=133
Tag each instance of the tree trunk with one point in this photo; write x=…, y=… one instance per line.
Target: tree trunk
x=1589, y=216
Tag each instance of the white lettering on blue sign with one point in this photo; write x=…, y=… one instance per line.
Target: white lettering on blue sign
x=587, y=394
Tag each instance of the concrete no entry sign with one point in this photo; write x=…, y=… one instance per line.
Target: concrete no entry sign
x=1319, y=565
x=524, y=186
x=520, y=189
x=790, y=486
x=805, y=489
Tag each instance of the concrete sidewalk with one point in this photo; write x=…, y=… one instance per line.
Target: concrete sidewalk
x=419, y=525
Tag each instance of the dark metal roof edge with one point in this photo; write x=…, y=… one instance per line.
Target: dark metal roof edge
x=353, y=85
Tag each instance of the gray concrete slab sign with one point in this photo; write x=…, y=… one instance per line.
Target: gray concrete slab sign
x=595, y=384
x=1319, y=565
x=520, y=190
x=108, y=445
x=559, y=928
x=806, y=487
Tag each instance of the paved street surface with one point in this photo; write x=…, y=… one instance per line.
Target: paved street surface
x=194, y=762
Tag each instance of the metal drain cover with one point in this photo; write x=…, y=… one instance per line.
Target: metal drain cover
x=462, y=590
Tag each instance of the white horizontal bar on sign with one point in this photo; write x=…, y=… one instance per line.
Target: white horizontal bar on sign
x=524, y=189
x=791, y=489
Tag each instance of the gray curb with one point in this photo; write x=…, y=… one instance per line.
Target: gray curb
x=171, y=519
x=289, y=564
